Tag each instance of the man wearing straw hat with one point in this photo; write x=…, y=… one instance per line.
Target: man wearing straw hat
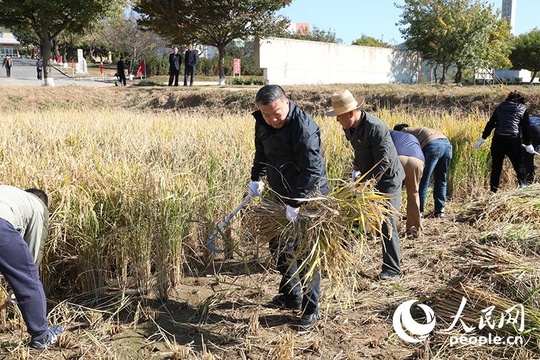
x=23, y=223
x=288, y=151
x=375, y=157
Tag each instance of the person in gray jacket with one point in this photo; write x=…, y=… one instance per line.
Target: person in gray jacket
x=23, y=222
x=288, y=151
x=375, y=157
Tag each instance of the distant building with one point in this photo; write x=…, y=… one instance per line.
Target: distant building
x=8, y=44
x=508, y=12
x=300, y=28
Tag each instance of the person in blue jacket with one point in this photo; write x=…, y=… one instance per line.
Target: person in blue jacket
x=412, y=159
x=288, y=152
x=528, y=159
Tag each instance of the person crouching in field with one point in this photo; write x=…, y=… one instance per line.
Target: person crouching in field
x=288, y=151
x=437, y=151
x=412, y=159
x=510, y=120
x=375, y=157
x=23, y=226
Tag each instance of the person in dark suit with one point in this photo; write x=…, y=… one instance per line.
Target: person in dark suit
x=190, y=62
x=121, y=71
x=175, y=60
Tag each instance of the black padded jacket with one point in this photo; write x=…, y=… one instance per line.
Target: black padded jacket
x=290, y=157
x=510, y=119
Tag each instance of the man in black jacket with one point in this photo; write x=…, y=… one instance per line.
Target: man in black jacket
x=175, y=60
x=121, y=71
x=288, y=151
x=190, y=59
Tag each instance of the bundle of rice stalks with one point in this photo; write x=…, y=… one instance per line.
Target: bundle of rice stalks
x=330, y=231
x=512, y=207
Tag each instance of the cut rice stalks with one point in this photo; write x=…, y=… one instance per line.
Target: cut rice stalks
x=330, y=231
x=510, y=207
x=502, y=286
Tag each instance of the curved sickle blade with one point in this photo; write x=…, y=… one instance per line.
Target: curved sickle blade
x=209, y=243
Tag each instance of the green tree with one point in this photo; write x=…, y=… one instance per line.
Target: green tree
x=365, y=40
x=210, y=22
x=463, y=33
x=123, y=36
x=526, y=54
x=315, y=34
x=48, y=19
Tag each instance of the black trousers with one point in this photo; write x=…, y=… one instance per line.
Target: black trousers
x=173, y=76
x=502, y=146
x=295, y=288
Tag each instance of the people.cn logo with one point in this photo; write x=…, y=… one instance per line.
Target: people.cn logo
x=407, y=328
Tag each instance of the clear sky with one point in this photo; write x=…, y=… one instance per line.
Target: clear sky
x=350, y=19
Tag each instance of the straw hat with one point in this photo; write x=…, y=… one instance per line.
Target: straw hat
x=343, y=102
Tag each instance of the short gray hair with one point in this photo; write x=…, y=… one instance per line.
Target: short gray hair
x=269, y=93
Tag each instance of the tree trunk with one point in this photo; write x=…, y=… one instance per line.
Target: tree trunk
x=533, y=75
x=46, y=53
x=459, y=75
x=221, y=63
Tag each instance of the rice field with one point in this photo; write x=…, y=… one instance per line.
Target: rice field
x=133, y=196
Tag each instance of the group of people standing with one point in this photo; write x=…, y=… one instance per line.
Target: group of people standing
x=288, y=151
x=175, y=63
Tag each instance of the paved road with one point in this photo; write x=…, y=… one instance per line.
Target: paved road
x=23, y=73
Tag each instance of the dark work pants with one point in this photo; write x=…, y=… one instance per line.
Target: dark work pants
x=122, y=78
x=505, y=146
x=189, y=71
x=390, y=248
x=20, y=271
x=173, y=76
x=292, y=287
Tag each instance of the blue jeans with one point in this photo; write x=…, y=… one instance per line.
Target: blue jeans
x=438, y=154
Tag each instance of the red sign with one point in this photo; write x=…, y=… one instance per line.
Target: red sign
x=236, y=66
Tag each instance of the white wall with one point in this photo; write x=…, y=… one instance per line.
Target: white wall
x=290, y=61
x=515, y=75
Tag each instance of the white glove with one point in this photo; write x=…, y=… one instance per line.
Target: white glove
x=255, y=188
x=356, y=174
x=291, y=213
x=479, y=143
x=530, y=149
